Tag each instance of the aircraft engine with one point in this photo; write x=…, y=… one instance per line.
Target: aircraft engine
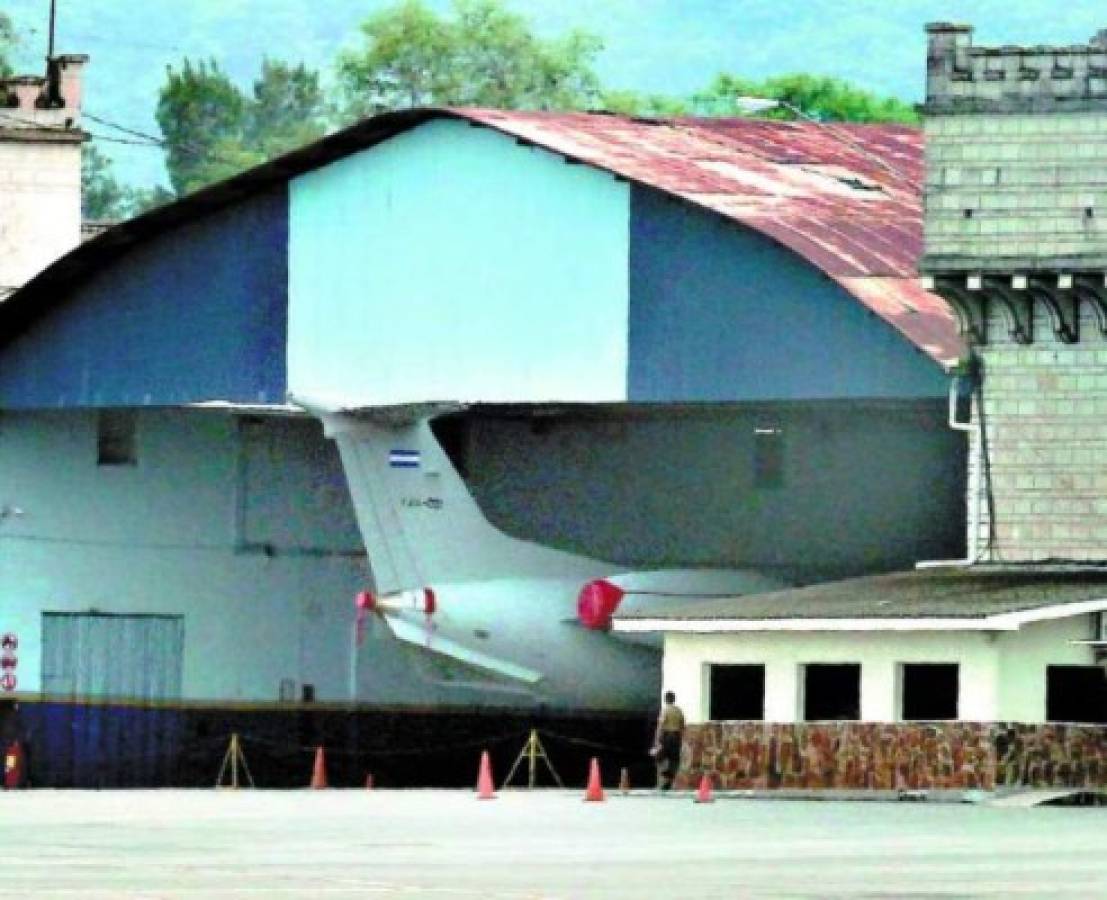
x=597, y=602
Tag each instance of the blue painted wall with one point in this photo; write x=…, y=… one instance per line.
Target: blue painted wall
x=720, y=312
x=197, y=313
x=100, y=746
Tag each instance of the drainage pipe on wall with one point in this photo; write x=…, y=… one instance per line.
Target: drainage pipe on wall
x=975, y=479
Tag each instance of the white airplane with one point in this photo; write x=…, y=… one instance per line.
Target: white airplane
x=531, y=623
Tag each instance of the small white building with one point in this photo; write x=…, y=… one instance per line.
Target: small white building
x=939, y=678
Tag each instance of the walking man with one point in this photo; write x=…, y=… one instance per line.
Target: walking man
x=667, y=741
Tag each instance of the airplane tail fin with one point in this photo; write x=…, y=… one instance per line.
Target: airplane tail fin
x=420, y=523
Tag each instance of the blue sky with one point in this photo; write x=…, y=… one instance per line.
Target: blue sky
x=673, y=46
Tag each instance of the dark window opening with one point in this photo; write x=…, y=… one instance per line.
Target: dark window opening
x=1076, y=694
x=115, y=438
x=930, y=691
x=737, y=693
x=454, y=434
x=768, y=457
x=831, y=692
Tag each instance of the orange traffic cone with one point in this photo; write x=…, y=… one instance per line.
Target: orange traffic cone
x=624, y=782
x=369, y=781
x=703, y=795
x=319, y=772
x=595, y=788
x=484, y=779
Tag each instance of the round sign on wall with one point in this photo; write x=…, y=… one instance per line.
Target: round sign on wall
x=9, y=642
x=8, y=681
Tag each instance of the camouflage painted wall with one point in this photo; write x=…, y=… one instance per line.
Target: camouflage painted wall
x=894, y=756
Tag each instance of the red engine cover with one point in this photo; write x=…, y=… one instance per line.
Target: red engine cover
x=597, y=602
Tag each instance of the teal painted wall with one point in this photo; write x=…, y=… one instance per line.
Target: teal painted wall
x=178, y=533
x=451, y=263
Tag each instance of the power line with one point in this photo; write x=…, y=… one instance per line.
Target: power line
x=114, y=140
x=139, y=139
x=203, y=154
x=61, y=129
x=124, y=129
x=136, y=138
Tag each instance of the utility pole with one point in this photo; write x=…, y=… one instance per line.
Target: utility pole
x=53, y=19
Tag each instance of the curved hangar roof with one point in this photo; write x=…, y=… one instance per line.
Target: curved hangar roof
x=847, y=198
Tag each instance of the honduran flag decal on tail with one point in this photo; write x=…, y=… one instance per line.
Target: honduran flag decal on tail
x=403, y=459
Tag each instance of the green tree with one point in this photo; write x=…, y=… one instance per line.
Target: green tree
x=406, y=61
x=815, y=96
x=199, y=109
x=8, y=41
x=632, y=103
x=144, y=199
x=102, y=196
x=214, y=130
x=482, y=55
x=287, y=110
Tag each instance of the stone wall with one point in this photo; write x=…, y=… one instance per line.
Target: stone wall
x=894, y=756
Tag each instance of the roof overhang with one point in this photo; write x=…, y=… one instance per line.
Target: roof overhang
x=1008, y=621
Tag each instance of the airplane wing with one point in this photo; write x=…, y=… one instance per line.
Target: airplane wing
x=420, y=636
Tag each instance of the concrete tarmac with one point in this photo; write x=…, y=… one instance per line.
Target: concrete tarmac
x=353, y=843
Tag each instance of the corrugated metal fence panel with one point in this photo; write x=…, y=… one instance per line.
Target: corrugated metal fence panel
x=80, y=742
x=98, y=655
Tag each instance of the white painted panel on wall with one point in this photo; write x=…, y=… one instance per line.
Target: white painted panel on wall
x=451, y=263
x=1026, y=654
x=879, y=654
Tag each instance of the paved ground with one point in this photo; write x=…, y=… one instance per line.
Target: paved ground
x=339, y=844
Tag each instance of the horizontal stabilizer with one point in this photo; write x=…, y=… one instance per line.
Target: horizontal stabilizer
x=419, y=635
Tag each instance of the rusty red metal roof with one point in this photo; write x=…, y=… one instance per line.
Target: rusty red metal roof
x=847, y=198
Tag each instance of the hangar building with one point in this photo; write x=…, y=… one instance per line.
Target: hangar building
x=643, y=343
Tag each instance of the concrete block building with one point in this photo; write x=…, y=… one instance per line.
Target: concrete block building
x=1016, y=195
